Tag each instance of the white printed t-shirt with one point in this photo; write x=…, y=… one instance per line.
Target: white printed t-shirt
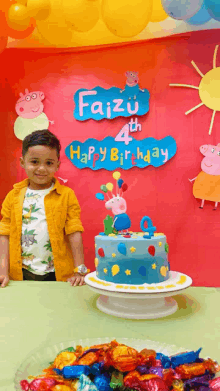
x=37, y=256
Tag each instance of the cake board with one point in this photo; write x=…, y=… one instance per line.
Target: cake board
x=147, y=301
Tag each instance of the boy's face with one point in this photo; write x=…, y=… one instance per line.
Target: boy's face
x=40, y=164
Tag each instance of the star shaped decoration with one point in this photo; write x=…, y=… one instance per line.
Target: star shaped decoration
x=132, y=249
x=128, y=272
x=105, y=270
x=160, y=244
x=154, y=266
x=113, y=255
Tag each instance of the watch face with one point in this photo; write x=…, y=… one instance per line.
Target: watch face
x=82, y=269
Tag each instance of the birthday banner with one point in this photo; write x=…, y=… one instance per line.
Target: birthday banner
x=111, y=154
x=100, y=103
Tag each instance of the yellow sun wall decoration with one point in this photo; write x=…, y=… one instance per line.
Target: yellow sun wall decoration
x=209, y=89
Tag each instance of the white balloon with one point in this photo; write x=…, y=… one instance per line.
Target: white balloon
x=181, y=9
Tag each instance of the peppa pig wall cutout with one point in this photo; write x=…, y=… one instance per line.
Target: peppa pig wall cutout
x=207, y=183
x=31, y=117
x=100, y=103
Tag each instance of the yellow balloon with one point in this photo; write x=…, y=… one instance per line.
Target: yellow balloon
x=109, y=186
x=18, y=17
x=81, y=14
x=54, y=31
x=126, y=18
x=158, y=13
x=23, y=2
x=116, y=175
x=39, y=9
x=115, y=270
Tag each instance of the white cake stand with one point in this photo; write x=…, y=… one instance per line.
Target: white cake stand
x=148, y=301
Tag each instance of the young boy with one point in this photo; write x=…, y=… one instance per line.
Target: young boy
x=40, y=232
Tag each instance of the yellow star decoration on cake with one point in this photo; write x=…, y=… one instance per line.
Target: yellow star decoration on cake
x=128, y=272
x=132, y=249
x=154, y=266
x=105, y=270
x=113, y=255
x=160, y=244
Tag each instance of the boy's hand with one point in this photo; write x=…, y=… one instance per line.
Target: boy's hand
x=4, y=280
x=76, y=279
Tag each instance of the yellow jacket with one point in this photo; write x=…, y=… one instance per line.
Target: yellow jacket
x=63, y=218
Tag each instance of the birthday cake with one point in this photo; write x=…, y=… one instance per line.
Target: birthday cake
x=123, y=256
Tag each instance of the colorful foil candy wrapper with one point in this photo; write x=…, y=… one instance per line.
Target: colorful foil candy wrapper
x=184, y=358
x=115, y=366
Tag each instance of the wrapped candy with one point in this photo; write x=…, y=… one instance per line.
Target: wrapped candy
x=156, y=384
x=188, y=371
x=116, y=380
x=148, y=382
x=148, y=357
x=178, y=385
x=144, y=369
x=89, y=351
x=215, y=384
x=40, y=384
x=124, y=358
x=184, y=358
x=169, y=376
x=62, y=387
x=75, y=371
x=165, y=360
x=64, y=358
x=86, y=384
x=102, y=382
x=97, y=368
x=199, y=380
x=88, y=359
x=24, y=385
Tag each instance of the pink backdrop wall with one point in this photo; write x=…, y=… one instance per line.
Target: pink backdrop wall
x=164, y=193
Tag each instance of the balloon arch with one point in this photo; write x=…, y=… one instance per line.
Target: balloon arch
x=57, y=20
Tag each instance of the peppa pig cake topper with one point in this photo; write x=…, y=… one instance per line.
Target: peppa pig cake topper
x=31, y=117
x=117, y=204
x=207, y=184
x=120, y=223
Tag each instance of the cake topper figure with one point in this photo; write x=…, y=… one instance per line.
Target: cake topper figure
x=31, y=117
x=207, y=183
x=132, y=88
x=117, y=204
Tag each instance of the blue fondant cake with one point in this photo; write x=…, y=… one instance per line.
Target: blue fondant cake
x=132, y=259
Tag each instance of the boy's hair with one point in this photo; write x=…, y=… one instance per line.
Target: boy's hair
x=41, y=137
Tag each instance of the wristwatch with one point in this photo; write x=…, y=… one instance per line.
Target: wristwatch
x=82, y=269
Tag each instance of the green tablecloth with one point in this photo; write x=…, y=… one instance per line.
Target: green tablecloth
x=35, y=314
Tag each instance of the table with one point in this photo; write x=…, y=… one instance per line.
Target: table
x=35, y=314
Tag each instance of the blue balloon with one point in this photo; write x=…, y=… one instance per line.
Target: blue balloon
x=100, y=196
x=182, y=10
x=213, y=8
x=120, y=181
x=201, y=17
x=122, y=248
